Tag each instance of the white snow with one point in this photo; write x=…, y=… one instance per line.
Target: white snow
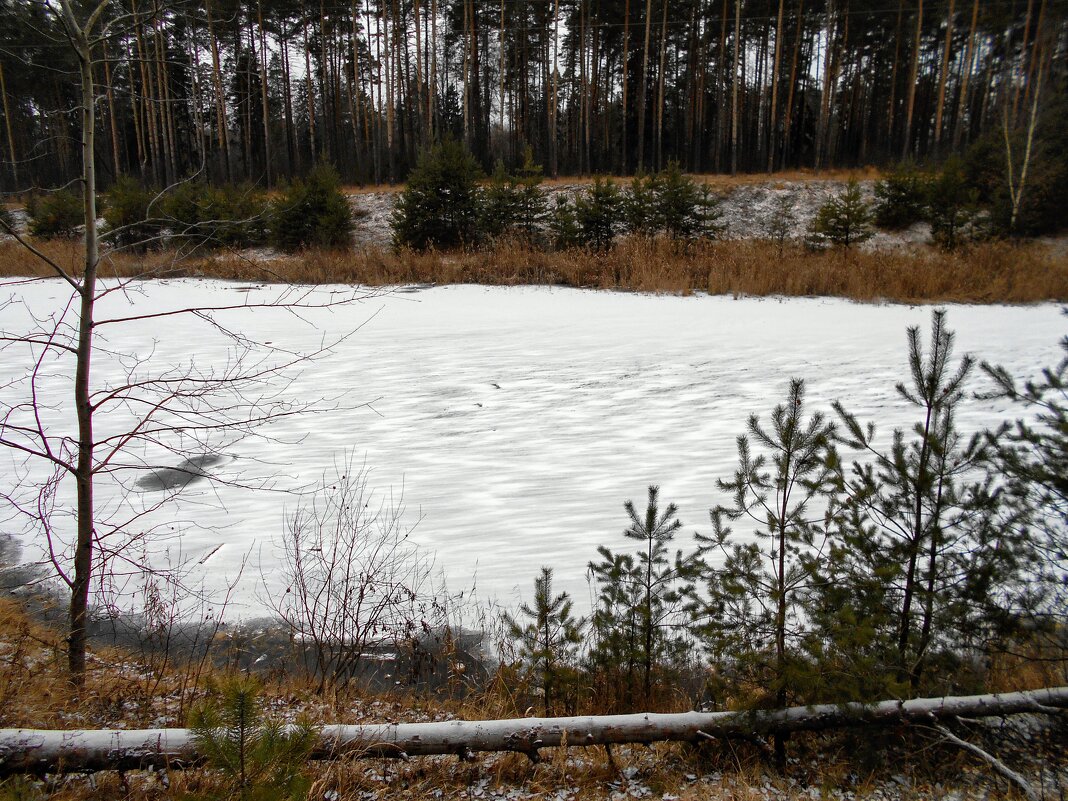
x=518, y=420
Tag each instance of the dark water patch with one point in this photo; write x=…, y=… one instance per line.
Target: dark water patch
x=186, y=473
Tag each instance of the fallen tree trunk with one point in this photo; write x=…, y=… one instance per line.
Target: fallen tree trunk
x=45, y=751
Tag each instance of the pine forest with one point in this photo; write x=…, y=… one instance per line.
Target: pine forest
x=259, y=90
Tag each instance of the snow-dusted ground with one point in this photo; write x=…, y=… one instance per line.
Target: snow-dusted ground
x=746, y=211
x=518, y=420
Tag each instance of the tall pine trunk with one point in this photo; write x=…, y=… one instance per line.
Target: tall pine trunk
x=966, y=74
x=734, y=85
x=642, y=79
x=943, y=73
x=910, y=104
x=772, y=131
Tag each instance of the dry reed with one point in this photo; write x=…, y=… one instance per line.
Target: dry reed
x=994, y=272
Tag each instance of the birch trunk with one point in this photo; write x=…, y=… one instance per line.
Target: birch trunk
x=84, y=470
x=40, y=751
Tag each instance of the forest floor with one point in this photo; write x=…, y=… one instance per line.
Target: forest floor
x=125, y=690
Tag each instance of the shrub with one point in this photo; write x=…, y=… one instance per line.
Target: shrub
x=312, y=213
x=597, y=213
x=844, y=219
x=56, y=214
x=442, y=204
x=7, y=220
x=953, y=207
x=901, y=199
x=231, y=215
x=129, y=214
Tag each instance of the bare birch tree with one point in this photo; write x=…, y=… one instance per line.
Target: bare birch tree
x=106, y=431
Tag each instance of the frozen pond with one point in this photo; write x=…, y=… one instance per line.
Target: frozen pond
x=518, y=420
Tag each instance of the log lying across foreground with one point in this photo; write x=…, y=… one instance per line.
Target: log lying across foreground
x=50, y=751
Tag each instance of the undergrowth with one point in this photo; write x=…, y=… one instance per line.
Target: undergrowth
x=122, y=691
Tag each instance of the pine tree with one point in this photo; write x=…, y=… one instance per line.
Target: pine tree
x=953, y=207
x=500, y=206
x=616, y=629
x=261, y=756
x=563, y=224
x=844, y=219
x=640, y=206
x=132, y=214
x=55, y=214
x=531, y=204
x=640, y=596
x=921, y=553
x=442, y=204
x=755, y=598
x=783, y=220
x=549, y=642
x=900, y=198
x=679, y=204
x=597, y=213
x=313, y=212
x=1032, y=457
x=514, y=202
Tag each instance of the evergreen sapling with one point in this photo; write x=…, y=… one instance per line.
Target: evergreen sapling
x=755, y=599
x=843, y=220
x=549, y=641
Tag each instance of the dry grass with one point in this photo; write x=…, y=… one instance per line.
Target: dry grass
x=34, y=693
x=1031, y=662
x=995, y=272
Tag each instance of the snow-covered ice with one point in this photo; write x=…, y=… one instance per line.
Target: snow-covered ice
x=518, y=420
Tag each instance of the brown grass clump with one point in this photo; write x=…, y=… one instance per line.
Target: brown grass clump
x=994, y=272
x=990, y=273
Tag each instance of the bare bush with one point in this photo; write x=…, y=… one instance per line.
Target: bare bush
x=357, y=587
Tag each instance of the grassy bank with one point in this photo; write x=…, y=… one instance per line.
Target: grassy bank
x=125, y=691
x=995, y=272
